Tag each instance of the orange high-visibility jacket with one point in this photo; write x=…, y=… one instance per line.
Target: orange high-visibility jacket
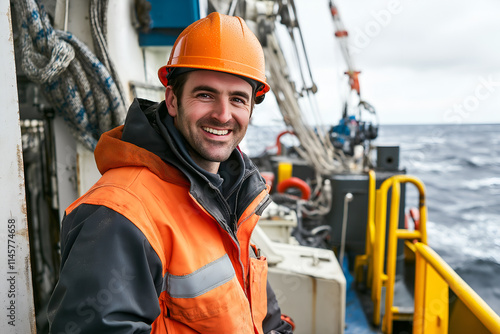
x=149, y=229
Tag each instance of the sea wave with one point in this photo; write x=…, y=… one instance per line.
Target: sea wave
x=483, y=161
x=464, y=208
x=490, y=182
x=432, y=140
x=488, y=220
x=459, y=242
x=427, y=166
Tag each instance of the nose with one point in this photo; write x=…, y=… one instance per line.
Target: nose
x=222, y=111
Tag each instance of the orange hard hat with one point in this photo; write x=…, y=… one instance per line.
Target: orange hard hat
x=221, y=43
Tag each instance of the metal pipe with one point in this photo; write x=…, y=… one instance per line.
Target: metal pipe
x=391, y=256
x=66, y=16
x=232, y=8
x=370, y=226
x=379, y=247
x=347, y=199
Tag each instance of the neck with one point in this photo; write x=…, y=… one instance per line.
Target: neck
x=209, y=166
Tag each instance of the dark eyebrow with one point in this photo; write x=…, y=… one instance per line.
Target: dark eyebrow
x=213, y=90
x=206, y=88
x=242, y=94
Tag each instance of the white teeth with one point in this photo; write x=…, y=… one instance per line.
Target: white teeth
x=216, y=132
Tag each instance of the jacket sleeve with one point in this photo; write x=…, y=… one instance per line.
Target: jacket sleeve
x=273, y=324
x=110, y=276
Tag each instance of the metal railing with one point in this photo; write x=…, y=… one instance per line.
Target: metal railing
x=433, y=279
x=394, y=233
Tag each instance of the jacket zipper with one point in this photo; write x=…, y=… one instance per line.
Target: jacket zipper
x=229, y=231
x=237, y=225
x=233, y=219
x=258, y=210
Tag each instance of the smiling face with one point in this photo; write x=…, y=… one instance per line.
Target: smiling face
x=212, y=114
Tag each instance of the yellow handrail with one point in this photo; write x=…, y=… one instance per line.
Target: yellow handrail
x=370, y=228
x=379, y=247
x=425, y=255
x=379, y=278
x=431, y=285
x=392, y=240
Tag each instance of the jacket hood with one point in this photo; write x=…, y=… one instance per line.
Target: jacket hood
x=112, y=152
x=147, y=140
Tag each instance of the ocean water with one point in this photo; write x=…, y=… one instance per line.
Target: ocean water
x=460, y=167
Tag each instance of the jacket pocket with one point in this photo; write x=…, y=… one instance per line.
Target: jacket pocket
x=223, y=310
x=170, y=325
x=257, y=290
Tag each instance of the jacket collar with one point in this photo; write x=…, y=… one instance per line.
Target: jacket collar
x=148, y=140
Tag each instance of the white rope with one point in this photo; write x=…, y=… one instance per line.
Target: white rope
x=74, y=81
x=313, y=147
x=98, y=24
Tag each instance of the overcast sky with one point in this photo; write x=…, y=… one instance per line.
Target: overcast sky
x=421, y=61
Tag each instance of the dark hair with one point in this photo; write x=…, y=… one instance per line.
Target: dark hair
x=177, y=83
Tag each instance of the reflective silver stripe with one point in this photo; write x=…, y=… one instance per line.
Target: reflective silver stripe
x=200, y=281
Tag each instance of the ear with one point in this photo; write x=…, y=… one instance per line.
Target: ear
x=171, y=101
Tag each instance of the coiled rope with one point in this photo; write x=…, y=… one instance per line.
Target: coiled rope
x=75, y=82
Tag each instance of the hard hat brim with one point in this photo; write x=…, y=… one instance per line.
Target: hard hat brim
x=163, y=74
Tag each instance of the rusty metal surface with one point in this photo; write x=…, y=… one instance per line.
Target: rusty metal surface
x=17, y=313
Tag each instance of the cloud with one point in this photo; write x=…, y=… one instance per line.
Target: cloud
x=418, y=58
x=428, y=34
x=422, y=57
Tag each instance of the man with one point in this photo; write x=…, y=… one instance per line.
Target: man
x=161, y=243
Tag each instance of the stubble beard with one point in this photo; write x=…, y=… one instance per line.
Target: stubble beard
x=195, y=144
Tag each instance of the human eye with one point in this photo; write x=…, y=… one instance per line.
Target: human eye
x=203, y=95
x=239, y=100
